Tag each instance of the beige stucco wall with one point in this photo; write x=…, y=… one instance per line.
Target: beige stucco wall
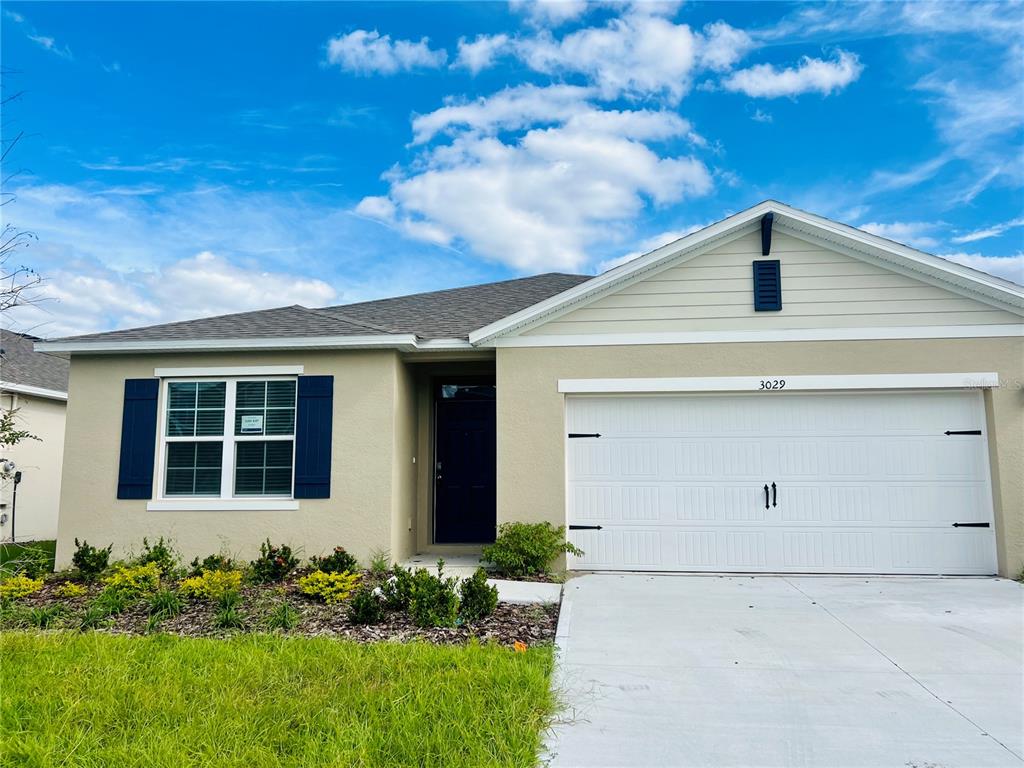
x=370, y=477
x=40, y=464
x=531, y=443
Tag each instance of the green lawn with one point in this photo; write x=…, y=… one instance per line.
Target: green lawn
x=14, y=551
x=98, y=700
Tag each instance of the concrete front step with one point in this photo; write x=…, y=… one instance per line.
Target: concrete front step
x=462, y=566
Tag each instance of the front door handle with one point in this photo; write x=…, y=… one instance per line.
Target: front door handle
x=773, y=494
x=766, y=495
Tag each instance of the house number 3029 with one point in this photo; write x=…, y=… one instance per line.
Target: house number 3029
x=773, y=384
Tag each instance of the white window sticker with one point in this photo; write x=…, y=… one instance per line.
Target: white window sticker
x=252, y=425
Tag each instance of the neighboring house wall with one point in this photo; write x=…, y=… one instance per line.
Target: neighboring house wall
x=40, y=464
x=531, y=411
x=371, y=475
x=821, y=289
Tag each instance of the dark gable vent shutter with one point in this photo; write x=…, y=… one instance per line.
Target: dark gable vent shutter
x=767, y=286
x=138, y=439
x=313, y=421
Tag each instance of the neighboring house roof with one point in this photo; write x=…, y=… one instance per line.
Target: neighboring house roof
x=461, y=318
x=24, y=370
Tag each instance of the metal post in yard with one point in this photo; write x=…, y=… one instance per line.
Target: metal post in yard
x=14, y=502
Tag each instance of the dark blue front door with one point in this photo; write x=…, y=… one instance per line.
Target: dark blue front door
x=465, y=464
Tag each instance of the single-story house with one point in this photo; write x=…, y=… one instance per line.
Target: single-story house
x=776, y=392
x=35, y=386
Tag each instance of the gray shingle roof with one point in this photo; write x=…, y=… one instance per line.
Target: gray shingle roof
x=21, y=364
x=448, y=314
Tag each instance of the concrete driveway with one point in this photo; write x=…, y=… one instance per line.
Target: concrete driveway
x=790, y=671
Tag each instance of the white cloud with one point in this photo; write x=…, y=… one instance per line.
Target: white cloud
x=912, y=233
x=646, y=246
x=994, y=231
x=1007, y=267
x=368, y=52
x=760, y=116
x=482, y=52
x=550, y=12
x=44, y=41
x=724, y=46
x=537, y=201
x=809, y=76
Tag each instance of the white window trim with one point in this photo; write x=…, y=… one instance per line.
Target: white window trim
x=226, y=499
x=792, y=383
x=246, y=504
x=240, y=370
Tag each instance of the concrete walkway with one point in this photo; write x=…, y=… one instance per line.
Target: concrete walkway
x=790, y=671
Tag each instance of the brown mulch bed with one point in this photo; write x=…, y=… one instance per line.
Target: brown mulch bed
x=510, y=623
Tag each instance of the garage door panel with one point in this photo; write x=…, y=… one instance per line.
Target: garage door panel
x=857, y=499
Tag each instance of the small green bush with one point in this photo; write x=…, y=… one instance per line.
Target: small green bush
x=433, y=601
x=161, y=553
x=397, y=590
x=95, y=616
x=133, y=581
x=528, y=549
x=90, y=561
x=331, y=588
x=165, y=604
x=111, y=602
x=479, y=599
x=380, y=562
x=211, y=563
x=45, y=616
x=18, y=587
x=211, y=585
x=284, y=616
x=228, y=616
x=366, y=606
x=339, y=561
x=273, y=564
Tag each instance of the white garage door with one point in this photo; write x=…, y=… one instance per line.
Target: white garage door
x=829, y=483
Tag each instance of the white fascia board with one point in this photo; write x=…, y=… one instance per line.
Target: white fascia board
x=405, y=342
x=24, y=389
x=776, y=382
x=442, y=345
x=782, y=335
x=1007, y=294
x=232, y=370
x=222, y=505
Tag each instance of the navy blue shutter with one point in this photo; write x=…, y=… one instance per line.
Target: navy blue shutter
x=313, y=420
x=138, y=439
x=767, y=286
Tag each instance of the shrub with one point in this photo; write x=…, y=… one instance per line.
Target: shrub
x=433, y=601
x=90, y=561
x=133, y=581
x=70, y=589
x=18, y=587
x=95, y=616
x=479, y=599
x=228, y=616
x=45, y=616
x=398, y=589
x=211, y=563
x=331, y=588
x=273, y=564
x=339, y=561
x=284, y=616
x=366, y=606
x=527, y=549
x=161, y=553
x=211, y=585
x=165, y=604
x=380, y=562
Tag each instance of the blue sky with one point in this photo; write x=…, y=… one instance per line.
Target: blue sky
x=187, y=159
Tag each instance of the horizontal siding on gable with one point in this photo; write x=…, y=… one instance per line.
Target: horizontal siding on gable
x=820, y=289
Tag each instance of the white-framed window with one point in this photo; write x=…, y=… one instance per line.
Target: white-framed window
x=227, y=437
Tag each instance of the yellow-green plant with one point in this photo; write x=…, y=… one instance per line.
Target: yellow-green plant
x=19, y=586
x=330, y=587
x=134, y=580
x=69, y=590
x=211, y=585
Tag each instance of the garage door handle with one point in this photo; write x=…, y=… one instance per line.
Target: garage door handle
x=766, y=495
x=970, y=525
x=584, y=527
x=774, y=494
x=949, y=432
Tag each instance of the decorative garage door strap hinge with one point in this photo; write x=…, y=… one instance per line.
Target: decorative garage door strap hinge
x=963, y=432
x=584, y=527
x=970, y=525
x=584, y=434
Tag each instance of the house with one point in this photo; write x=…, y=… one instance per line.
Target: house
x=35, y=386
x=776, y=392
